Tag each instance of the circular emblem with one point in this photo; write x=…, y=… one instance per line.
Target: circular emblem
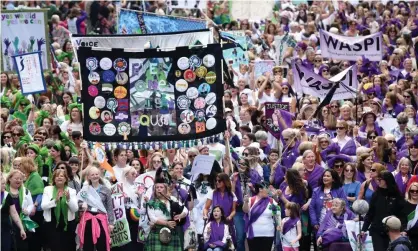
x=120, y=92
x=210, y=77
x=183, y=63
x=187, y=116
x=93, y=91
x=83, y=194
x=204, y=89
x=124, y=129
x=183, y=102
x=189, y=75
x=199, y=103
x=195, y=61
x=100, y=102
x=209, y=60
x=94, y=78
x=106, y=116
x=112, y=103
x=200, y=115
x=121, y=78
x=107, y=88
x=95, y=128
x=184, y=128
x=120, y=64
x=210, y=98
x=201, y=71
x=94, y=112
x=91, y=63
x=121, y=116
x=211, y=123
x=178, y=73
x=211, y=111
x=105, y=63
x=192, y=93
x=109, y=129
x=140, y=86
x=181, y=85
x=108, y=76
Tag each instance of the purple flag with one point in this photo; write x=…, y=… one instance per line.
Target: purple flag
x=273, y=112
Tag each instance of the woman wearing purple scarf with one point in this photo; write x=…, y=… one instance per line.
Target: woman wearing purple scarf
x=332, y=228
x=369, y=186
x=369, y=124
x=391, y=107
x=402, y=174
x=347, y=145
x=291, y=145
x=330, y=187
x=364, y=164
x=259, y=211
x=313, y=170
x=216, y=232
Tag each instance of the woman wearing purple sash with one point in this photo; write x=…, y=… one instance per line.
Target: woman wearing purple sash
x=224, y=197
x=370, y=124
x=402, y=174
x=369, y=186
x=347, y=145
x=391, y=107
x=364, y=164
x=291, y=152
x=294, y=190
x=313, y=171
x=216, y=232
x=259, y=212
x=332, y=228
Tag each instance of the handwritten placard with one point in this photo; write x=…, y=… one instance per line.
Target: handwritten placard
x=29, y=69
x=202, y=164
x=120, y=234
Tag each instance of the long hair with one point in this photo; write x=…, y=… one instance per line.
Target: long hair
x=392, y=187
x=223, y=218
x=67, y=169
x=336, y=181
x=354, y=167
x=295, y=182
x=149, y=163
x=360, y=165
x=294, y=209
x=382, y=149
x=225, y=179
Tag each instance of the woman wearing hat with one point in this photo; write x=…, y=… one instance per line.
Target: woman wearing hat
x=370, y=124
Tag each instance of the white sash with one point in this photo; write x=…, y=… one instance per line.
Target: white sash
x=89, y=195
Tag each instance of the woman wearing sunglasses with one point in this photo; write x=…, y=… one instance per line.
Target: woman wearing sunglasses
x=411, y=205
x=370, y=186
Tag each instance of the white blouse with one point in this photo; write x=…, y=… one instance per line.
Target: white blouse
x=264, y=226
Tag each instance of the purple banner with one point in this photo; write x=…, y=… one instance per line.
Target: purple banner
x=275, y=111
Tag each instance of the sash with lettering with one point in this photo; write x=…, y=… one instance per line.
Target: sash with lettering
x=308, y=82
x=351, y=48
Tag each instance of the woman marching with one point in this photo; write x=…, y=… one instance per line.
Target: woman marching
x=98, y=214
x=216, y=232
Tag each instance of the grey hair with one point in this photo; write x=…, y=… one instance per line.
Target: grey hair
x=261, y=135
x=343, y=203
x=307, y=152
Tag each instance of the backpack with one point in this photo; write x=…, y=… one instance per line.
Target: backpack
x=405, y=243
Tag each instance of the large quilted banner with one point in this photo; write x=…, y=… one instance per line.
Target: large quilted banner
x=136, y=22
x=152, y=96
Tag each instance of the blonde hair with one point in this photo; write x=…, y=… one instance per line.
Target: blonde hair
x=156, y=154
x=298, y=166
x=86, y=173
x=415, y=184
x=58, y=172
x=27, y=165
x=12, y=173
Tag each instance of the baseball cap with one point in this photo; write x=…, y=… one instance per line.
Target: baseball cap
x=392, y=222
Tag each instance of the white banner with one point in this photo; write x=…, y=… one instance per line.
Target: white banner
x=137, y=42
x=351, y=48
x=282, y=43
x=24, y=31
x=307, y=82
x=120, y=234
x=29, y=69
x=353, y=232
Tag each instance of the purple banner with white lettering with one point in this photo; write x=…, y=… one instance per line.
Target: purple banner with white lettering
x=276, y=114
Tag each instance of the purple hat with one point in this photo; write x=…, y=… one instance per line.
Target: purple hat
x=333, y=149
x=324, y=66
x=331, y=159
x=302, y=45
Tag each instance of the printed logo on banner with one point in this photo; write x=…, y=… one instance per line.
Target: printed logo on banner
x=272, y=111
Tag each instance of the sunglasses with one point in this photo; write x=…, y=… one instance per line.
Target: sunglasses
x=192, y=156
x=245, y=154
x=338, y=166
x=318, y=60
x=406, y=96
x=402, y=122
x=413, y=147
x=340, y=128
x=323, y=142
x=334, y=106
x=218, y=181
x=285, y=88
x=324, y=71
x=371, y=137
x=373, y=170
x=349, y=171
x=7, y=137
x=60, y=167
x=16, y=134
x=391, y=141
x=37, y=140
x=413, y=191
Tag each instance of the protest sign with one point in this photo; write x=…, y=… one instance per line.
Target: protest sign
x=120, y=234
x=187, y=4
x=282, y=44
x=202, y=164
x=250, y=10
x=24, y=31
x=152, y=96
x=272, y=111
x=387, y=124
x=262, y=67
x=353, y=232
x=310, y=83
x=351, y=48
x=29, y=69
x=136, y=22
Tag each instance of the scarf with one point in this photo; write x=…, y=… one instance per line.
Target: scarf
x=254, y=214
x=400, y=183
x=204, y=187
x=34, y=184
x=225, y=202
x=413, y=219
x=334, y=229
x=216, y=234
x=289, y=224
x=62, y=207
x=313, y=176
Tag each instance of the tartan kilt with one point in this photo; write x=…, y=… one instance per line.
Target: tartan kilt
x=154, y=244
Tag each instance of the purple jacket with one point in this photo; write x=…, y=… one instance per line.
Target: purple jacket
x=317, y=202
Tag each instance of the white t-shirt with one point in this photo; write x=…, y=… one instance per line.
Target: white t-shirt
x=198, y=209
x=74, y=127
x=263, y=226
x=118, y=173
x=290, y=236
x=266, y=98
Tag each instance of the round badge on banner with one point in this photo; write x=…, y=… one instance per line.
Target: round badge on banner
x=184, y=128
x=105, y=63
x=183, y=102
x=204, y=89
x=210, y=98
x=140, y=86
x=122, y=78
x=211, y=111
x=94, y=78
x=195, y=61
x=109, y=129
x=120, y=92
x=120, y=64
x=209, y=60
x=211, y=123
x=91, y=63
x=177, y=73
x=189, y=75
x=201, y=72
x=183, y=63
x=106, y=116
x=108, y=76
x=94, y=112
x=200, y=115
x=187, y=116
x=192, y=93
x=124, y=129
x=181, y=85
x=100, y=102
x=210, y=77
x=199, y=103
x=112, y=104
x=93, y=91
x=95, y=128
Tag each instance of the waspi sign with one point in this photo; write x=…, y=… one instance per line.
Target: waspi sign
x=351, y=48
